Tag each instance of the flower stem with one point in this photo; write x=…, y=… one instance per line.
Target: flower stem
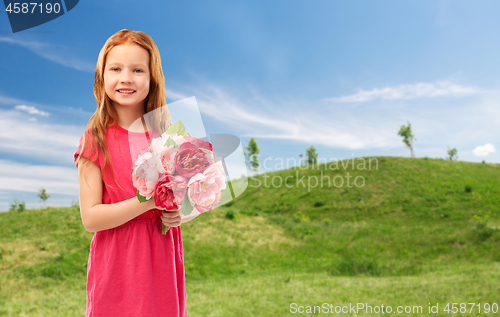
x=164, y=229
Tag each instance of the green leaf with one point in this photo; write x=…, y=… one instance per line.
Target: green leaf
x=141, y=198
x=186, y=207
x=171, y=142
x=164, y=229
x=177, y=128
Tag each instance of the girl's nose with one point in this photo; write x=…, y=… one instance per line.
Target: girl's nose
x=126, y=77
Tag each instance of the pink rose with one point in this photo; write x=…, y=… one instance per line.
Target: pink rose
x=179, y=186
x=164, y=195
x=143, y=157
x=204, y=189
x=166, y=163
x=199, y=143
x=145, y=177
x=191, y=160
x=157, y=144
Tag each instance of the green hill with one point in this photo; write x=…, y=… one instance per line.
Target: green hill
x=417, y=231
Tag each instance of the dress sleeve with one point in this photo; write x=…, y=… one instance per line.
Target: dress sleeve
x=89, y=151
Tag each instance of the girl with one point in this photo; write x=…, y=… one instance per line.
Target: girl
x=133, y=270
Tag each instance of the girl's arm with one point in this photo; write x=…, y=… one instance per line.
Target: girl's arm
x=194, y=213
x=97, y=216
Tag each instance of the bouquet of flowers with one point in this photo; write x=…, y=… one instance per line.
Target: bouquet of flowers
x=180, y=172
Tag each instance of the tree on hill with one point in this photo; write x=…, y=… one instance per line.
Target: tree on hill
x=42, y=193
x=408, y=138
x=252, y=153
x=18, y=205
x=311, y=155
x=452, y=154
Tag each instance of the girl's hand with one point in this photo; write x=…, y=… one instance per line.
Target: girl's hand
x=171, y=218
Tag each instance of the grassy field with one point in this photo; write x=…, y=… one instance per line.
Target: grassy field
x=419, y=232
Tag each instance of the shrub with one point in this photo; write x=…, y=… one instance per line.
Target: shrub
x=17, y=206
x=319, y=203
x=452, y=154
x=482, y=231
x=299, y=217
x=230, y=214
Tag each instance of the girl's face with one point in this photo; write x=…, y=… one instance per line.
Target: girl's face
x=126, y=75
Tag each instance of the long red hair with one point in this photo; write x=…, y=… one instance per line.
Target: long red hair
x=106, y=113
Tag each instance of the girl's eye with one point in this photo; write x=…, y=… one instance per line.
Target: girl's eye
x=115, y=69
x=138, y=71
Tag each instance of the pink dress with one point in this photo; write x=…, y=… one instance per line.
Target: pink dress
x=133, y=270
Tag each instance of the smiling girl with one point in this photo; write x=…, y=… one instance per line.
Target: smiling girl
x=133, y=270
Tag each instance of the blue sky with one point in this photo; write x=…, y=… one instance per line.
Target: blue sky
x=339, y=75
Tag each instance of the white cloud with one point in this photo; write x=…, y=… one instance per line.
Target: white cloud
x=436, y=123
x=67, y=111
x=29, y=178
x=48, y=149
x=56, y=53
x=38, y=141
x=32, y=110
x=407, y=92
x=281, y=121
x=484, y=150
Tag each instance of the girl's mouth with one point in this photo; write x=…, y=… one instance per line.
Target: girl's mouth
x=126, y=91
